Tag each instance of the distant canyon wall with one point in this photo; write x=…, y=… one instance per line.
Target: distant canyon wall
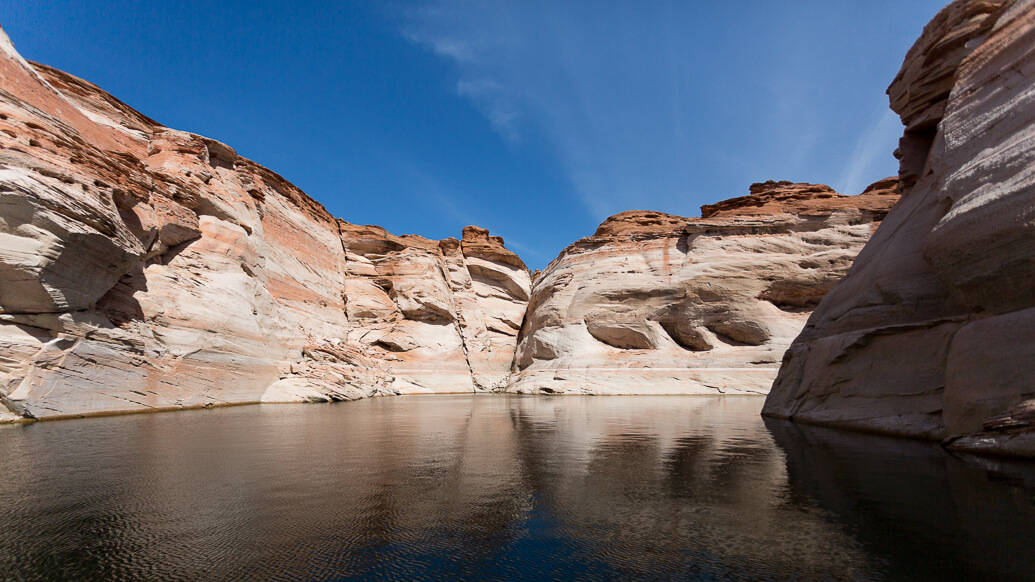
x=932, y=333
x=659, y=304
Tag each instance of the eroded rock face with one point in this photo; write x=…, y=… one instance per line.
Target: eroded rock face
x=660, y=304
x=143, y=267
x=932, y=333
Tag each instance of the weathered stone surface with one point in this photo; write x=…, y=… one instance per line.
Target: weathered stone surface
x=921, y=89
x=145, y=268
x=660, y=304
x=930, y=334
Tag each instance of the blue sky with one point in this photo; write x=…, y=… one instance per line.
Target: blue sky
x=534, y=119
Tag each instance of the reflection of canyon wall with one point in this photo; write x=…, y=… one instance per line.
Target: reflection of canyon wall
x=660, y=304
x=674, y=488
x=143, y=267
x=633, y=486
x=916, y=494
x=932, y=333
x=503, y=487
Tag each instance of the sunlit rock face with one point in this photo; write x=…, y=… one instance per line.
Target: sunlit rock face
x=932, y=333
x=440, y=316
x=660, y=304
x=143, y=267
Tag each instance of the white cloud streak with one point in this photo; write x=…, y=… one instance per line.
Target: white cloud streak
x=871, y=147
x=646, y=108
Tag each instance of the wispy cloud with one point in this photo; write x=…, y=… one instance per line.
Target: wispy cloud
x=523, y=249
x=453, y=49
x=440, y=198
x=444, y=200
x=645, y=108
x=439, y=41
x=871, y=147
x=493, y=100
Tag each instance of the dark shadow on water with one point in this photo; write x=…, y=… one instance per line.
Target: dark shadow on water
x=928, y=514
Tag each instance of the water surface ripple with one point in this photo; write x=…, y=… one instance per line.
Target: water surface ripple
x=498, y=487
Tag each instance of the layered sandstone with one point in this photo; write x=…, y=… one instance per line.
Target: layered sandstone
x=932, y=333
x=143, y=267
x=660, y=304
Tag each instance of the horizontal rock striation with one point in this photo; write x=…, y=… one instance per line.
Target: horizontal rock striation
x=932, y=333
x=660, y=304
x=145, y=268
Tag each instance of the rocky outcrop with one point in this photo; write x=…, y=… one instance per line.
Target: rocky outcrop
x=660, y=304
x=143, y=268
x=932, y=333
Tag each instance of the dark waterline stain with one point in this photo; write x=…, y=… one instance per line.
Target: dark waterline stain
x=498, y=487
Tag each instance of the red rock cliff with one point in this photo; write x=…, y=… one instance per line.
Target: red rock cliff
x=143, y=267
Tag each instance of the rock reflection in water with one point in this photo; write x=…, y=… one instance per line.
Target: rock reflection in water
x=495, y=487
x=926, y=513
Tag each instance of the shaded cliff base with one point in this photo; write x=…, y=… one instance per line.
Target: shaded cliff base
x=1016, y=442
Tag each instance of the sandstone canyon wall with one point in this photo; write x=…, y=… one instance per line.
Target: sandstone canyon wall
x=932, y=333
x=660, y=304
x=146, y=268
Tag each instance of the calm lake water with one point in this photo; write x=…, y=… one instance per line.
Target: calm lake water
x=497, y=487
